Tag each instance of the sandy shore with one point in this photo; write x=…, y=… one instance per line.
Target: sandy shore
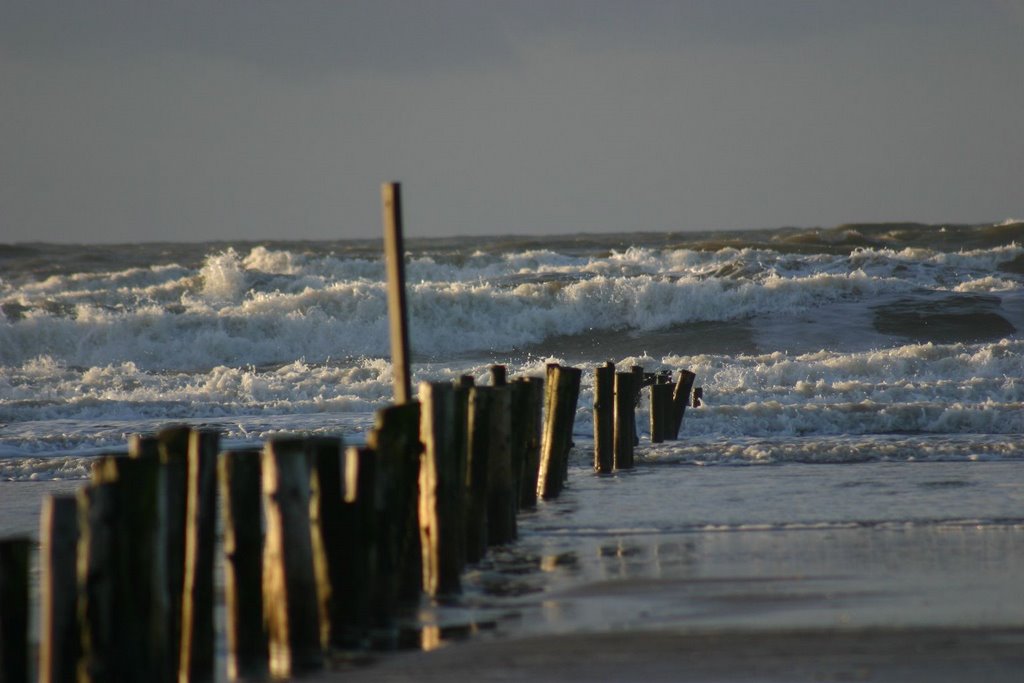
x=932, y=655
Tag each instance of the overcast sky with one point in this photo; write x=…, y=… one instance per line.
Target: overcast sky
x=245, y=119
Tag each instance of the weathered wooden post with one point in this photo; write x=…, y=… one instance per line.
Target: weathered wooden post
x=59, y=645
x=528, y=419
x=396, y=439
x=241, y=506
x=98, y=584
x=355, y=583
x=562, y=395
x=604, y=418
x=501, y=494
x=137, y=568
x=442, y=492
x=624, y=420
x=574, y=377
x=499, y=375
x=14, y=609
x=394, y=257
x=289, y=582
x=197, y=631
x=478, y=420
x=325, y=501
x=680, y=399
x=465, y=381
x=661, y=417
x=638, y=390
x=173, y=450
x=698, y=396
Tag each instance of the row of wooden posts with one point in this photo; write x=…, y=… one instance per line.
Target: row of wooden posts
x=322, y=546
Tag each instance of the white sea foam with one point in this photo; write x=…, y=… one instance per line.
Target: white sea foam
x=248, y=338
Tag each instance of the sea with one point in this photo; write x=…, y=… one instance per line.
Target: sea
x=857, y=460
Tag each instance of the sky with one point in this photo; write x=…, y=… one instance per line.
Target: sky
x=125, y=121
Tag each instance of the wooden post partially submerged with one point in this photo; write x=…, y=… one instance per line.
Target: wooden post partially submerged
x=197, y=632
x=680, y=399
x=135, y=568
x=395, y=438
x=58, y=617
x=442, y=492
x=14, y=609
x=501, y=496
x=325, y=501
x=661, y=418
x=561, y=397
x=527, y=427
x=394, y=257
x=289, y=581
x=604, y=418
x=624, y=420
x=241, y=506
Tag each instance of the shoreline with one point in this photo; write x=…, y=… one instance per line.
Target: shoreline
x=877, y=654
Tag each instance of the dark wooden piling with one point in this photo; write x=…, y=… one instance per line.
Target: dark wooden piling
x=14, y=609
x=528, y=427
x=59, y=645
x=396, y=440
x=680, y=399
x=624, y=420
x=501, y=494
x=197, y=629
x=499, y=375
x=98, y=584
x=698, y=396
x=289, y=582
x=561, y=398
x=604, y=418
x=173, y=450
x=135, y=562
x=465, y=381
x=442, y=491
x=662, y=417
x=638, y=389
x=327, y=535
x=478, y=420
x=356, y=577
x=394, y=257
x=461, y=445
x=241, y=507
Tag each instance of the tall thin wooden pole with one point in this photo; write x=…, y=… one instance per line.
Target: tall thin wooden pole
x=604, y=413
x=394, y=257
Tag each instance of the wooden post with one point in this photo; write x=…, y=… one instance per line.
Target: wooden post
x=442, y=525
x=396, y=438
x=562, y=390
x=461, y=445
x=528, y=419
x=638, y=390
x=478, y=468
x=325, y=501
x=357, y=575
x=604, y=418
x=624, y=420
x=197, y=632
x=465, y=381
x=97, y=582
x=137, y=567
x=501, y=499
x=572, y=396
x=173, y=450
x=14, y=608
x=394, y=257
x=680, y=399
x=661, y=417
x=698, y=396
x=241, y=507
x=289, y=582
x=59, y=645
x=499, y=375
